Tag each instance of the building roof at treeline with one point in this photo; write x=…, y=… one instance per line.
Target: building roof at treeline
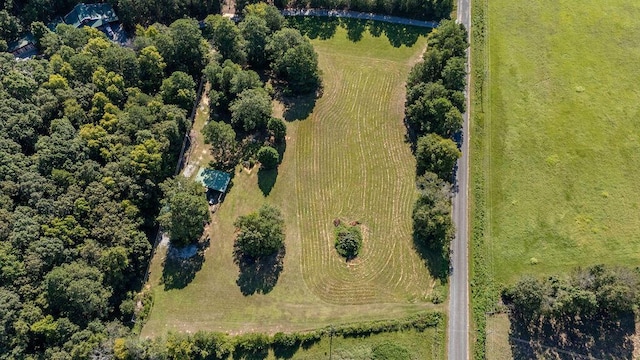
x=214, y=179
x=93, y=15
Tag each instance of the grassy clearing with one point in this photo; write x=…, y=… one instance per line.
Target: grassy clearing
x=421, y=345
x=563, y=147
x=347, y=160
x=498, y=347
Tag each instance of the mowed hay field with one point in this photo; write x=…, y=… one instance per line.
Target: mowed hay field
x=347, y=159
x=562, y=151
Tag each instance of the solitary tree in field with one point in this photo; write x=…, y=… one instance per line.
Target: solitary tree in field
x=348, y=241
x=260, y=233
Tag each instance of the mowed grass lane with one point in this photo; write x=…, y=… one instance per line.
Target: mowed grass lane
x=347, y=160
x=563, y=152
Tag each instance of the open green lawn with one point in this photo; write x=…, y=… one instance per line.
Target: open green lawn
x=562, y=153
x=348, y=159
x=420, y=345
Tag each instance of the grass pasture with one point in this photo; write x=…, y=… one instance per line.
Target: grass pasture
x=555, y=156
x=347, y=159
x=562, y=148
x=420, y=345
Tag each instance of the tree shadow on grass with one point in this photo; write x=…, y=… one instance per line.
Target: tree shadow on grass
x=315, y=27
x=181, y=265
x=240, y=354
x=601, y=337
x=324, y=28
x=266, y=180
x=355, y=28
x=286, y=352
x=299, y=107
x=258, y=275
x=437, y=261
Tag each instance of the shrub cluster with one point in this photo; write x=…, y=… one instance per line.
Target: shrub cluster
x=348, y=241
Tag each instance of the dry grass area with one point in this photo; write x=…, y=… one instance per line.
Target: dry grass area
x=348, y=160
x=498, y=347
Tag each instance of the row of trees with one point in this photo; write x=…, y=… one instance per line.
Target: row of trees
x=211, y=345
x=433, y=109
x=87, y=134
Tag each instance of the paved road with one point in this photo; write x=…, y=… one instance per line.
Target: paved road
x=358, y=15
x=458, y=331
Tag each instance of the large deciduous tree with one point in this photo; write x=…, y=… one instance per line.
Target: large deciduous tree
x=255, y=32
x=184, y=210
x=75, y=290
x=151, y=69
x=179, y=89
x=260, y=233
x=437, y=155
x=225, y=37
x=268, y=157
x=223, y=139
x=251, y=110
x=432, y=224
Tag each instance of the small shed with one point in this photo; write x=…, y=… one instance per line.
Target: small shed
x=215, y=182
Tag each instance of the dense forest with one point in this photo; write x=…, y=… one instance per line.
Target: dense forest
x=90, y=134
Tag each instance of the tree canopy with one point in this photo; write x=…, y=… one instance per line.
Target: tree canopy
x=85, y=141
x=260, y=233
x=268, y=157
x=437, y=155
x=432, y=224
x=252, y=109
x=184, y=210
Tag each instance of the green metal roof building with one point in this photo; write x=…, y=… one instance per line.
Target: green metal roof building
x=92, y=15
x=214, y=179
